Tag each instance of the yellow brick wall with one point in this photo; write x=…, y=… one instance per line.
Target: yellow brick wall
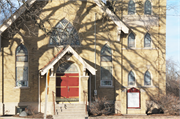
x=82, y=15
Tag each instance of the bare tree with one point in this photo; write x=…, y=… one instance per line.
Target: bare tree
x=172, y=77
x=169, y=103
x=31, y=15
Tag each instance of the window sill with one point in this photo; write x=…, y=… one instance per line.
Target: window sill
x=146, y=48
x=62, y=46
x=21, y=87
x=106, y=86
x=148, y=86
x=135, y=109
x=131, y=86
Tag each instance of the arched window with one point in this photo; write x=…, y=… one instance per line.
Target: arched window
x=147, y=40
x=131, y=40
x=106, y=70
x=21, y=66
x=131, y=7
x=147, y=78
x=64, y=34
x=106, y=54
x=131, y=78
x=147, y=7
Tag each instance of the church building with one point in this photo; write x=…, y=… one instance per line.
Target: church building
x=78, y=51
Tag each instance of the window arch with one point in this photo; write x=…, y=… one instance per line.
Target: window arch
x=131, y=40
x=106, y=54
x=64, y=33
x=131, y=7
x=131, y=78
x=147, y=7
x=147, y=40
x=147, y=78
x=21, y=66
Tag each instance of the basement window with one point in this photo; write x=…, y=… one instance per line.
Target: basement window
x=20, y=109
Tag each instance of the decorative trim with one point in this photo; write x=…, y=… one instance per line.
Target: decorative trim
x=115, y=19
x=61, y=54
x=142, y=20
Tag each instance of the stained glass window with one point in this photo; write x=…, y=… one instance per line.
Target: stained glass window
x=64, y=34
x=131, y=40
x=21, y=66
x=21, y=76
x=67, y=67
x=106, y=54
x=106, y=71
x=106, y=75
x=147, y=78
x=147, y=40
x=131, y=7
x=131, y=78
x=147, y=7
x=21, y=54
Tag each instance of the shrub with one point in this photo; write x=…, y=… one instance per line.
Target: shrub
x=100, y=106
x=170, y=104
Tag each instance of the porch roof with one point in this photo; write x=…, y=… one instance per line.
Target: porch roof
x=67, y=49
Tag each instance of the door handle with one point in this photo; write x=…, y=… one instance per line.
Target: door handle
x=68, y=88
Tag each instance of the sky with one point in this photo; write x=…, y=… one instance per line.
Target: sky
x=173, y=30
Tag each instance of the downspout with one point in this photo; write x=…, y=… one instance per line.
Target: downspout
x=95, y=91
x=39, y=97
x=2, y=71
x=2, y=77
x=0, y=42
x=158, y=50
x=90, y=89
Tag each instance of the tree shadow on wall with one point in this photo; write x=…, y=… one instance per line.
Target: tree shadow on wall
x=40, y=52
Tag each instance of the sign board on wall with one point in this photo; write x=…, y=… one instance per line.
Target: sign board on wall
x=133, y=99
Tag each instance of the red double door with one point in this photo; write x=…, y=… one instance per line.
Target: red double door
x=67, y=86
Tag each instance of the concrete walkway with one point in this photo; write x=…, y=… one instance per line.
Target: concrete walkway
x=8, y=117
x=11, y=117
x=110, y=117
x=135, y=117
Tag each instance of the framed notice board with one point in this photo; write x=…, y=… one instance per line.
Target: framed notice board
x=133, y=98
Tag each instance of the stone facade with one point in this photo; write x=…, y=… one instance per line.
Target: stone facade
x=95, y=29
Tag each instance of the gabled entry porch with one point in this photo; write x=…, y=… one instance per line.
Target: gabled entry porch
x=68, y=80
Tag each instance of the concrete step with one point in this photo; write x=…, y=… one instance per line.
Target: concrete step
x=70, y=113
x=70, y=106
x=70, y=117
x=70, y=110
